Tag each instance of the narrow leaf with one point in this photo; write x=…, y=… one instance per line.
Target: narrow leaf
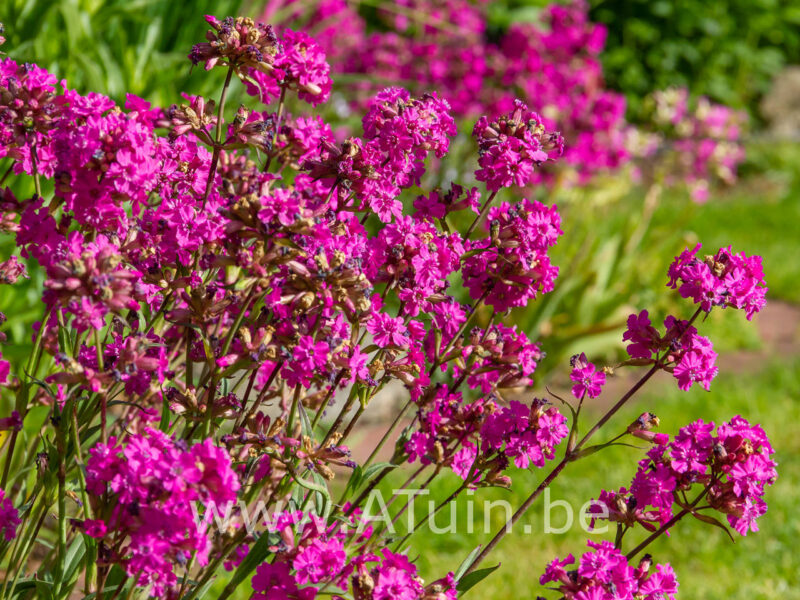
x=470, y=580
x=462, y=568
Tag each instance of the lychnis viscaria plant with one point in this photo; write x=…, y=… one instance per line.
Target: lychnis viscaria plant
x=224, y=296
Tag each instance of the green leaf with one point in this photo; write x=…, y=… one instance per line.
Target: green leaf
x=462, y=568
x=715, y=522
x=314, y=487
x=470, y=580
x=72, y=566
x=165, y=412
x=258, y=552
x=44, y=589
x=305, y=422
x=200, y=592
x=374, y=470
x=322, y=501
x=74, y=558
x=355, y=480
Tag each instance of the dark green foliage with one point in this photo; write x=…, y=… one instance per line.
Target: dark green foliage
x=728, y=50
x=115, y=47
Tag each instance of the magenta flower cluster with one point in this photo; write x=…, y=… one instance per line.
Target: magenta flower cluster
x=444, y=46
x=688, y=356
x=554, y=63
x=510, y=267
x=144, y=489
x=732, y=467
x=179, y=264
x=528, y=434
x=269, y=64
x=512, y=146
x=704, y=138
x=313, y=552
x=724, y=279
x=604, y=573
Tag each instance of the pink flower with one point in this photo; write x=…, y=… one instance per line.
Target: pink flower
x=512, y=146
x=697, y=364
x=150, y=484
x=642, y=335
x=463, y=460
x=310, y=355
x=5, y=370
x=13, y=422
x=588, y=381
x=95, y=528
x=396, y=579
x=320, y=561
x=275, y=582
x=605, y=568
x=515, y=269
x=388, y=331
x=9, y=517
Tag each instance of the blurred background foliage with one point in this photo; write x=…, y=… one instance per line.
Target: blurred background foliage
x=728, y=50
x=116, y=47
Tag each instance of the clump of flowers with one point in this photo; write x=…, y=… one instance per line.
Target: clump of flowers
x=688, y=356
x=724, y=279
x=703, y=140
x=144, y=490
x=554, y=63
x=510, y=267
x=528, y=434
x=604, y=572
x=339, y=558
x=226, y=292
x=256, y=54
x=510, y=147
x=732, y=468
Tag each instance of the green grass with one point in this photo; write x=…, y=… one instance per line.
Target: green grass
x=708, y=564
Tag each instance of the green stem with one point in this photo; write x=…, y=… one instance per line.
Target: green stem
x=34, y=160
x=327, y=398
x=278, y=120
x=89, y=541
x=433, y=513
x=22, y=396
x=295, y=401
x=61, y=447
x=388, y=433
x=482, y=215
x=217, y=136
x=21, y=549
